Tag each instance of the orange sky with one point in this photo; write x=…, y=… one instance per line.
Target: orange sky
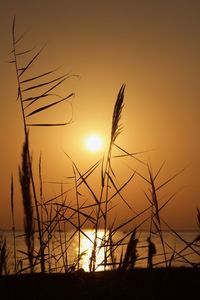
x=153, y=47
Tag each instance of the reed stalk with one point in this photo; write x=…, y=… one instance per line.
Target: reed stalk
x=106, y=178
x=26, y=103
x=78, y=220
x=13, y=222
x=25, y=180
x=3, y=255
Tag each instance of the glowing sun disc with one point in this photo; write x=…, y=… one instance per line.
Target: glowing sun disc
x=93, y=143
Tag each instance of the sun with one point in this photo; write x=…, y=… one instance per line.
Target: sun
x=93, y=143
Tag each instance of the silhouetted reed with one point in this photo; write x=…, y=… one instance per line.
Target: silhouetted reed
x=131, y=252
x=25, y=181
x=13, y=221
x=3, y=256
x=28, y=101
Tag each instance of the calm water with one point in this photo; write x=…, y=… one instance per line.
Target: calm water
x=62, y=250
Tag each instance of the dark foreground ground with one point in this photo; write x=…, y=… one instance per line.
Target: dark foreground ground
x=180, y=283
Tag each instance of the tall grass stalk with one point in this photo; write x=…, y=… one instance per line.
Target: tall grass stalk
x=3, y=255
x=25, y=180
x=13, y=222
x=41, y=220
x=155, y=217
x=106, y=178
x=78, y=216
x=26, y=86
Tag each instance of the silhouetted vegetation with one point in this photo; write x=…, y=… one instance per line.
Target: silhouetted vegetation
x=49, y=220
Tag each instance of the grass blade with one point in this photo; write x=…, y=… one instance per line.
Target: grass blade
x=31, y=61
x=42, y=84
x=49, y=105
x=39, y=76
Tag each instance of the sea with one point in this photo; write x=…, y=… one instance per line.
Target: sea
x=68, y=251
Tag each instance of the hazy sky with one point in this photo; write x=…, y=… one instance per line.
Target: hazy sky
x=151, y=46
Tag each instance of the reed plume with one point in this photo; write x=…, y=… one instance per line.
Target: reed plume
x=116, y=127
x=25, y=181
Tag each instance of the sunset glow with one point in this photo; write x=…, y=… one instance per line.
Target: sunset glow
x=93, y=143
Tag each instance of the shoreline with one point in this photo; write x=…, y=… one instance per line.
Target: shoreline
x=157, y=283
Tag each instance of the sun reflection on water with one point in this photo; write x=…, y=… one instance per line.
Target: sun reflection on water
x=62, y=254
x=86, y=247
